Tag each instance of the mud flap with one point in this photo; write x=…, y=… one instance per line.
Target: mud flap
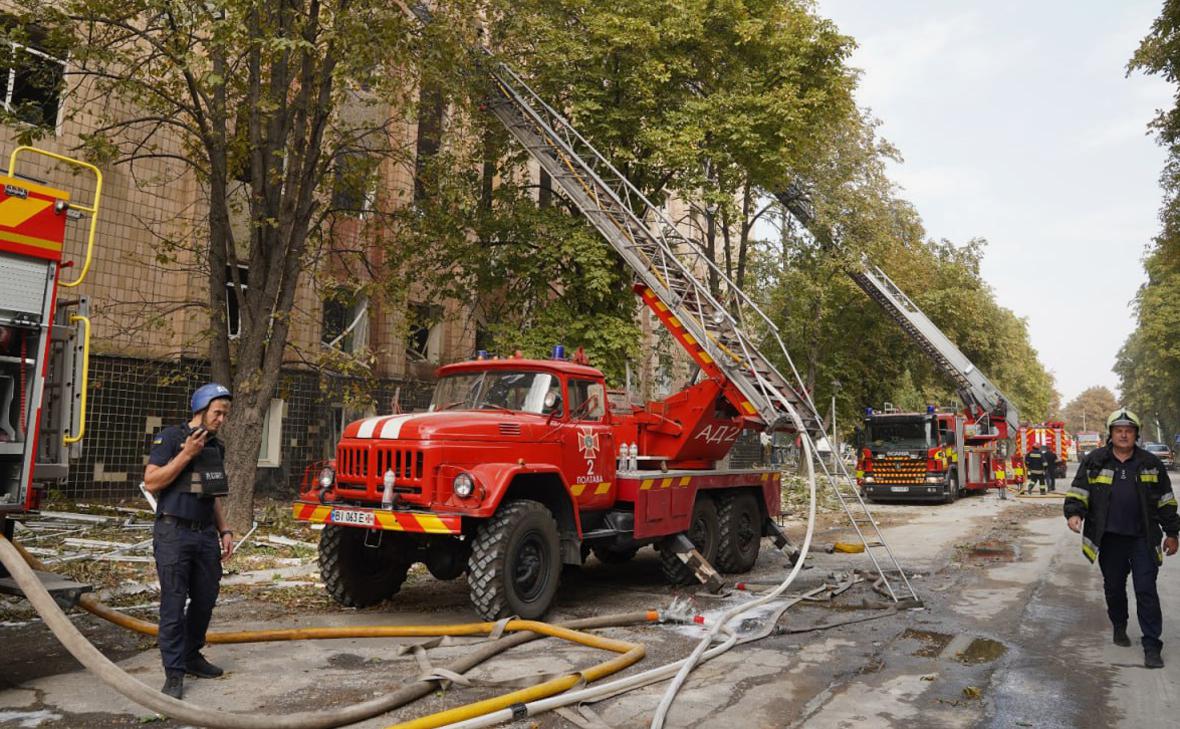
x=700, y=567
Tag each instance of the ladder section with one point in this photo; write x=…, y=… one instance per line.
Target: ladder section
x=974, y=387
x=718, y=329
x=894, y=580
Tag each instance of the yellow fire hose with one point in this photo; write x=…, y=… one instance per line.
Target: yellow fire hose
x=20, y=565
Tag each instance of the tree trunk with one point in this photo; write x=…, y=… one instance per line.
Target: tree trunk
x=243, y=440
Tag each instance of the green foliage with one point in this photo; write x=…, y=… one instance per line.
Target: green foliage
x=1089, y=410
x=1148, y=364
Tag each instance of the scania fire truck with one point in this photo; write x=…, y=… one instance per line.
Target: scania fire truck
x=945, y=454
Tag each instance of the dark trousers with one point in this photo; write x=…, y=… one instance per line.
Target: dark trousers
x=188, y=564
x=1119, y=556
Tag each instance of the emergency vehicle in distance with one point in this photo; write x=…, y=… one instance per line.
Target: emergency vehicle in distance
x=1088, y=441
x=936, y=455
x=1050, y=434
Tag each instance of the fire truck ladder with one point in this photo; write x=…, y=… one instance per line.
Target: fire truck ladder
x=975, y=388
x=674, y=269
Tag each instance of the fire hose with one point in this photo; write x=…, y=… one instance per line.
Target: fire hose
x=705, y=650
x=522, y=632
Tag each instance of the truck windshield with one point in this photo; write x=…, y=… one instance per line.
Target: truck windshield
x=900, y=435
x=529, y=392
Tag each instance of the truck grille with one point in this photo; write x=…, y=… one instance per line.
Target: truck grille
x=360, y=470
x=899, y=469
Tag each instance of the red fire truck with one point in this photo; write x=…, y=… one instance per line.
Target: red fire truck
x=1050, y=434
x=522, y=465
x=937, y=454
x=933, y=455
x=44, y=339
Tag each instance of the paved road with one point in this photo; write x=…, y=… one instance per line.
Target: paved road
x=1013, y=633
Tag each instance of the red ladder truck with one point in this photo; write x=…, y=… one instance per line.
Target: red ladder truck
x=967, y=450
x=519, y=465
x=44, y=340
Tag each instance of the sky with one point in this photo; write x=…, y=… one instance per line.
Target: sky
x=1017, y=124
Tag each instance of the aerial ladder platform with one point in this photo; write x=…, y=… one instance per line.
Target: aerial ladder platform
x=974, y=388
x=723, y=329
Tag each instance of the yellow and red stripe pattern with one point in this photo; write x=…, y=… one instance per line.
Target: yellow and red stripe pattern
x=394, y=521
x=695, y=350
x=596, y=489
x=31, y=222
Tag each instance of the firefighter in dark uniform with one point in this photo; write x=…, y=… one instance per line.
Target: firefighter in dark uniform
x=186, y=472
x=1122, y=502
x=1050, y=467
x=1034, y=463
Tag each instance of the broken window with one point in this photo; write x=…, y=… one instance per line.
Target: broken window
x=424, y=339
x=31, y=76
x=345, y=321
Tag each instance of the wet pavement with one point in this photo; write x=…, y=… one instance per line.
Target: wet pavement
x=1013, y=633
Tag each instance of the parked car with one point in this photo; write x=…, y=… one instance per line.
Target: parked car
x=1163, y=452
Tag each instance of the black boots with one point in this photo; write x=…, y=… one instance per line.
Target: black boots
x=1120, y=636
x=199, y=667
x=174, y=686
x=1152, y=657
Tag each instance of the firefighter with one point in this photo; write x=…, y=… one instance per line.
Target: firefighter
x=190, y=538
x=1050, y=467
x=1034, y=463
x=1121, y=501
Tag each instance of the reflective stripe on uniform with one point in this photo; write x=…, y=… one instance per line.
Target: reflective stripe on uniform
x=1105, y=476
x=1090, y=549
x=1159, y=555
x=1168, y=499
x=1081, y=495
x=1149, y=478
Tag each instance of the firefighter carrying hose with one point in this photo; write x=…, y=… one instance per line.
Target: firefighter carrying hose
x=1122, y=502
x=186, y=472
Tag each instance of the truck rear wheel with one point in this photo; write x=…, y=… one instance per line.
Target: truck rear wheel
x=515, y=562
x=357, y=575
x=704, y=533
x=741, y=532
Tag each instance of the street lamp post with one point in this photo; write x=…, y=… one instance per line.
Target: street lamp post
x=833, y=443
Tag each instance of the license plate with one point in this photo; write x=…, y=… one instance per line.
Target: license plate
x=344, y=516
x=899, y=489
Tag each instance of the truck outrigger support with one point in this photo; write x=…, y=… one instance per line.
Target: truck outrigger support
x=680, y=545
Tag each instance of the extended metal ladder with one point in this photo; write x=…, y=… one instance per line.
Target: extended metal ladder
x=974, y=388
x=666, y=262
x=672, y=266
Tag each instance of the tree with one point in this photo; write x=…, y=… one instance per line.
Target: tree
x=1148, y=364
x=275, y=99
x=1089, y=410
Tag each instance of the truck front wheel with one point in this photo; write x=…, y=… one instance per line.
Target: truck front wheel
x=515, y=562
x=703, y=532
x=741, y=532
x=358, y=575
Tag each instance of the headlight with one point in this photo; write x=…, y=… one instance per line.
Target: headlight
x=869, y=479
x=463, y=485
x=327, y=478
x=934, y=479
